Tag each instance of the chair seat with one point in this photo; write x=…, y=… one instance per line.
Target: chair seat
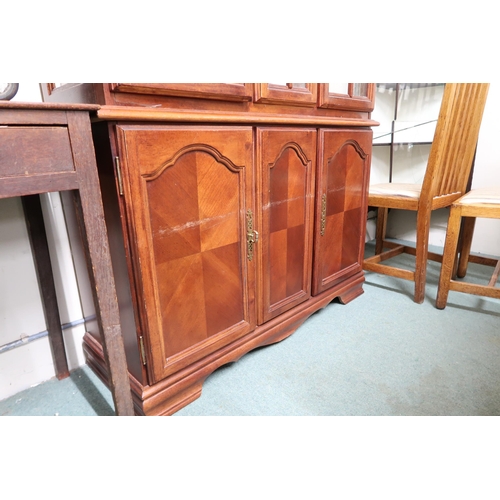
x=481, y=196
x=404, y=190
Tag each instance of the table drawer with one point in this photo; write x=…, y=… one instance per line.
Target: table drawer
x=34, y=151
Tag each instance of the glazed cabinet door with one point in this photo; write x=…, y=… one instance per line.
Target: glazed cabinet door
x=187, y=194
x=341, y=205
x=349, y=96
x=286, y=160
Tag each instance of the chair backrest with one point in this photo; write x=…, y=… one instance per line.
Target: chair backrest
x=452, y=151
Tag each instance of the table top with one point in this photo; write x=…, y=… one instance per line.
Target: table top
x=46, y=106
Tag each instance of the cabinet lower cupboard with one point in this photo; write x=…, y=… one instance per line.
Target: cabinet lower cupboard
x=227, y=231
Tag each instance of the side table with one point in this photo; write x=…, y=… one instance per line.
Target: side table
x=46, y=148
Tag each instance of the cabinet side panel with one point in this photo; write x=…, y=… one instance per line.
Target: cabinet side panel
x=117, y=243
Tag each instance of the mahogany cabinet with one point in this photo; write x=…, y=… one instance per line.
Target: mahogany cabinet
x=234, y=211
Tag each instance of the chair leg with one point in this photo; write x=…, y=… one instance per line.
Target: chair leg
x=382, y=213
x=449, y=257
x=421, y=254
x=465, y=245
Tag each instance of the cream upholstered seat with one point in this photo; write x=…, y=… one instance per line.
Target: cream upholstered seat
x=481, y=196
x=445, y=180
x=396, y=189
x=484, y=202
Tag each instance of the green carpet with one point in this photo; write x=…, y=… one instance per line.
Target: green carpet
x=379, y=355
x=81, y=394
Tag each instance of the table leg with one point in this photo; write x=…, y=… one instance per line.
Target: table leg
x=40, y=249
x=90, y=216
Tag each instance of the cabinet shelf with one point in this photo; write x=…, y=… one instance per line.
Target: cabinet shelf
x=409, y=116
x=414, y=143
x=404, y=86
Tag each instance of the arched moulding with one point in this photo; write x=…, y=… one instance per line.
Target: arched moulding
x=300, y=153
x=356, y=146
x=193, y=148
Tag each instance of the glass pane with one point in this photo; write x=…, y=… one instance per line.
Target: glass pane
x=338, y=88
x=360, y=89
x=384, y=113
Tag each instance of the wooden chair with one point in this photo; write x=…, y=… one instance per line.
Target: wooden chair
x=476, y=203
x=445, y=180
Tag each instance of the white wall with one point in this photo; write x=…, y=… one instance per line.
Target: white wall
x=21, y=313
x=487, y=173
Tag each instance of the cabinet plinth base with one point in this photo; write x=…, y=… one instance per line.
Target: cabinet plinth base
x=181, y=388
x=351, y=294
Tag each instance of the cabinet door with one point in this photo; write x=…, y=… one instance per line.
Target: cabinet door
x=341, y=210
x=187, y=193
x=295, y=94
x=349, y=96
x=217, y=91
x=286, y=166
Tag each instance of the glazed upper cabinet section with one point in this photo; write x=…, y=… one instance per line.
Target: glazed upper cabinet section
x=341, y=205
x=286, y=160
x=349, y=96
x=342, y=96
x=187, y=192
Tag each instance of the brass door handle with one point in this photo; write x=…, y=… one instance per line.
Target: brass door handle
x=252, y=236
x=323, y=215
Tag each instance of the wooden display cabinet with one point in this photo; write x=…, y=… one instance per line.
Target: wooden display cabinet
x=235, y=211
